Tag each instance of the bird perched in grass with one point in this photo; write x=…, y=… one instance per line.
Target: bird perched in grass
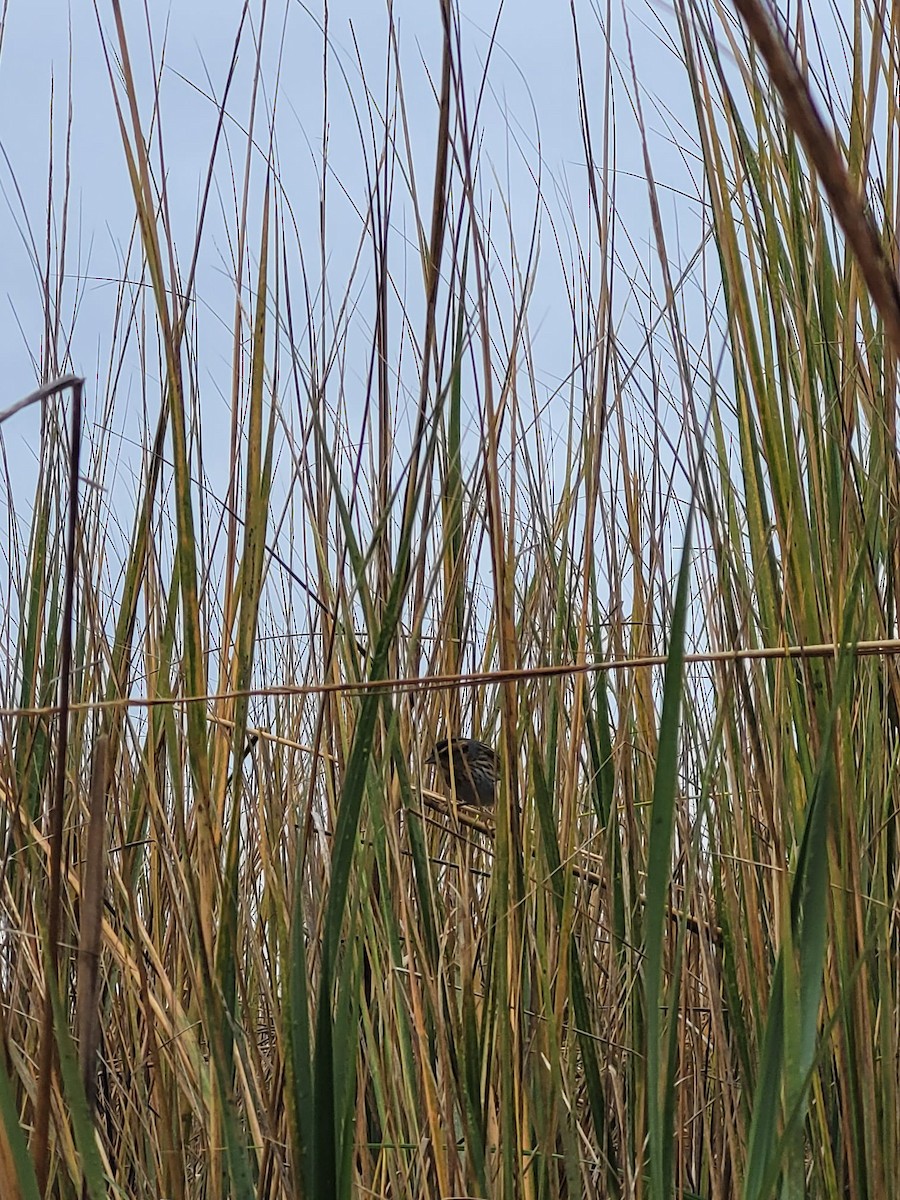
x=469, y=768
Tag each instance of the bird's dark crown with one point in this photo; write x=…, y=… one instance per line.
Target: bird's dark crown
x=442, y=749
x=461, y=745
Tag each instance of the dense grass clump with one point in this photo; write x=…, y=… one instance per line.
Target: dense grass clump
x=250, y=947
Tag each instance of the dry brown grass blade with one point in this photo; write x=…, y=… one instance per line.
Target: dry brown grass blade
x=92, y=889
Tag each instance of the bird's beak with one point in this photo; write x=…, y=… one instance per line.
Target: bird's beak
x=430, y=760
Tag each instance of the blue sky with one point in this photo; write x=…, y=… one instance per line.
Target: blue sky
x=528, y=128
x=532, y=93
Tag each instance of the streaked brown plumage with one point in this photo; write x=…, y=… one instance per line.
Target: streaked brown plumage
x=469, y=768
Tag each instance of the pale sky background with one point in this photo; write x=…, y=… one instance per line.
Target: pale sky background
x=531, y=102
x=533, y=95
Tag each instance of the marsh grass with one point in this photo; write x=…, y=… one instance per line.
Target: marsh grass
x=271, y=960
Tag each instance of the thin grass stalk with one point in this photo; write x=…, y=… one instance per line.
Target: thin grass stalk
x=93, y=884
x=56, y=816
